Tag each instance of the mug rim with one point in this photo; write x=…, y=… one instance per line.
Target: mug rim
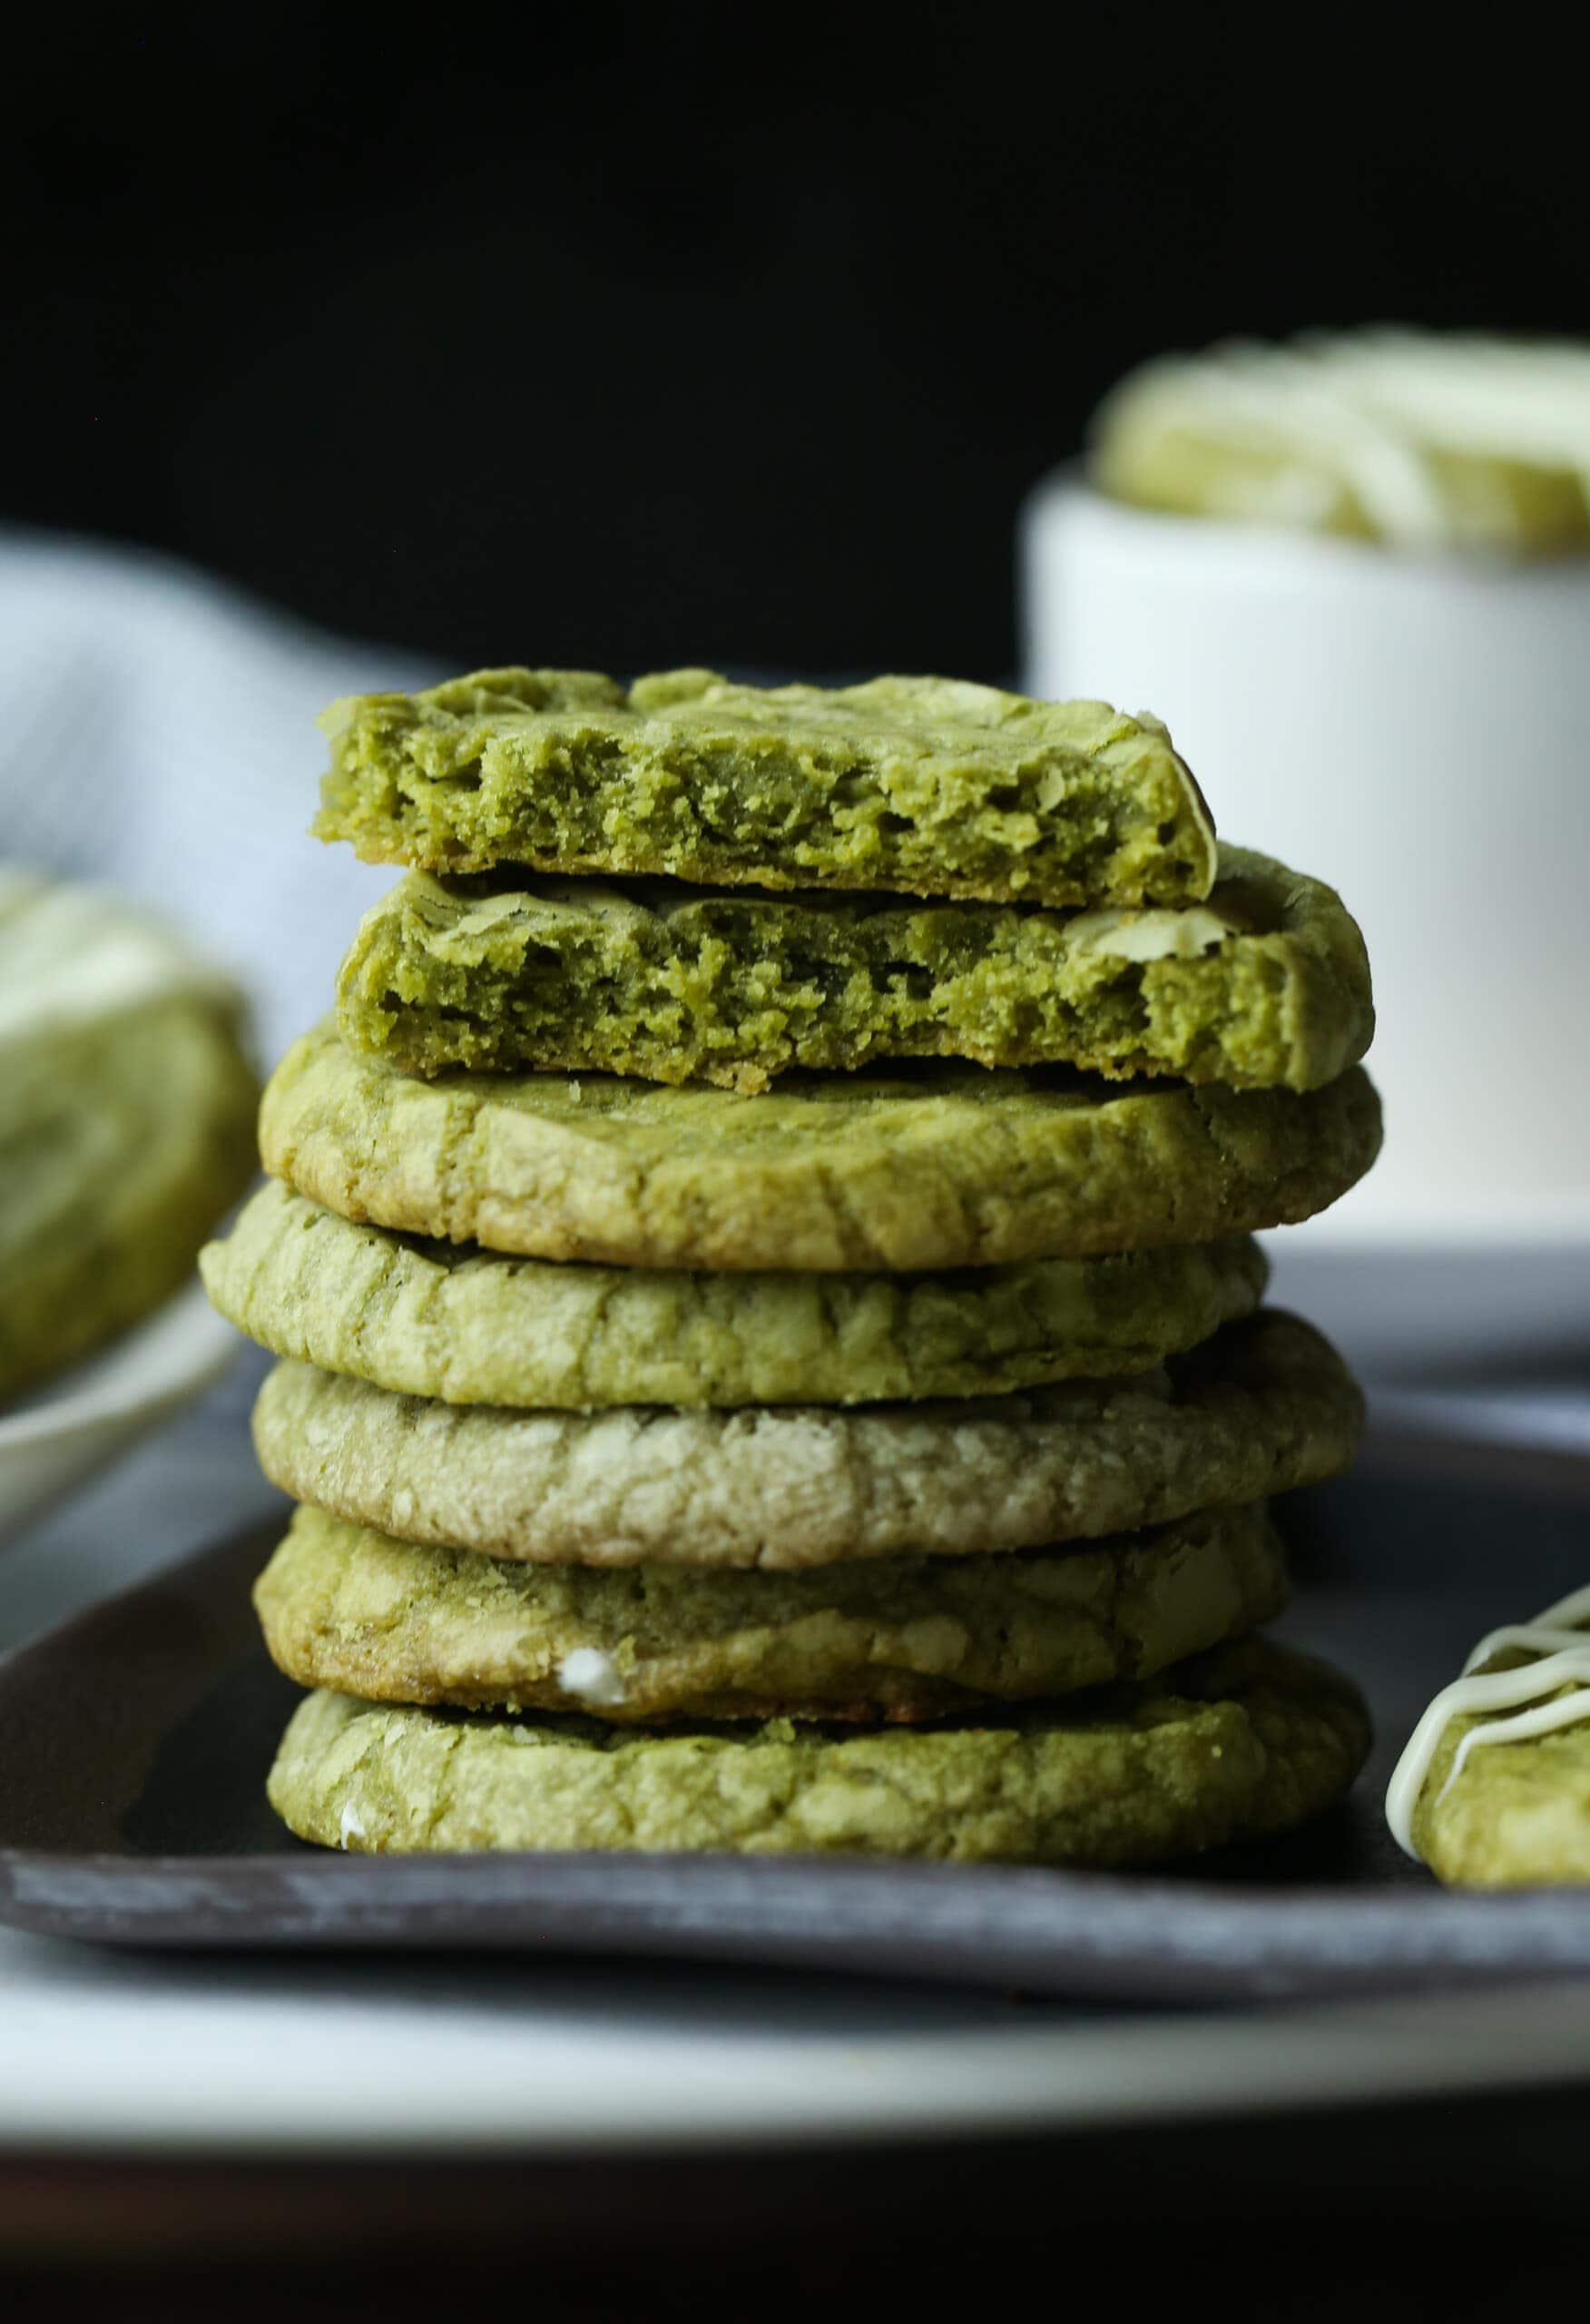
x=1067, y=493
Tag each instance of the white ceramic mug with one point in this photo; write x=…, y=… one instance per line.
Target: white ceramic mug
x=1416, y=731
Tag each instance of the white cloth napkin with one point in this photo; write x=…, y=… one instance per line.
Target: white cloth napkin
x=157, y=734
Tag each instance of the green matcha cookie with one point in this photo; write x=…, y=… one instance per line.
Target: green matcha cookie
x=1249, y=1741
x=126, y=1121
x=1267, y=984
x=473, y=1327
x=1519, y=1817
x=925, y=784
x=898, y=1639
x=1263, y=1406
x=939, y=1167
x=1492, y=1786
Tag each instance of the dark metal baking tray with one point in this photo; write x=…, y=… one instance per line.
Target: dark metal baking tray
x=134, y=1742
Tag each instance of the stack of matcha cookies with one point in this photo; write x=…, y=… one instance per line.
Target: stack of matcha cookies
x=772, y=1344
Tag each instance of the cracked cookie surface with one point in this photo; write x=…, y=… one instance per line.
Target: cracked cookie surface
x=1249, y=1741
x=942, y=1165
x=1265, y=1406
x=475, y=1327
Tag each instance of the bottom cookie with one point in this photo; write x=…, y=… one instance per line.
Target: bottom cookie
x=1246, y=1741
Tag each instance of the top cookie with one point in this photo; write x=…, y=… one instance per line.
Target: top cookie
x=929, y=785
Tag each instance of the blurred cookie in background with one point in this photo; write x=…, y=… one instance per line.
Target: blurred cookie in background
x=1416, y=441
x=127, y=1108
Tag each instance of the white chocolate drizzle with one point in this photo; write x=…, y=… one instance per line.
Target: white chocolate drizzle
x=1559, y=1641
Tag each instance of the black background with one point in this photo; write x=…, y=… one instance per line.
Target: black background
x=626, y=336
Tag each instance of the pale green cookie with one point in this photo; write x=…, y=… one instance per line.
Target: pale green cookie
x=1518, y=1814
x=897, y=1638
x=473, y=1327
x=1265, y=985
x=929, y=785
x=1263, y=1406
x=939, y=1166
x=1249, y=1741
x=126, y=1121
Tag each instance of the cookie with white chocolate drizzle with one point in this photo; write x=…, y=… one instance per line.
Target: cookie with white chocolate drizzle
x=1493, y=1789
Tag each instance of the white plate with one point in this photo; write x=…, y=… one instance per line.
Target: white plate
x=545, y=2057
x=56, y=1438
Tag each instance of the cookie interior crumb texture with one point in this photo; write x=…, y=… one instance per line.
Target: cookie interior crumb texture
x=1264, y=1406
x=926, y=786
x=883, y=1640
x=1265, y=985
